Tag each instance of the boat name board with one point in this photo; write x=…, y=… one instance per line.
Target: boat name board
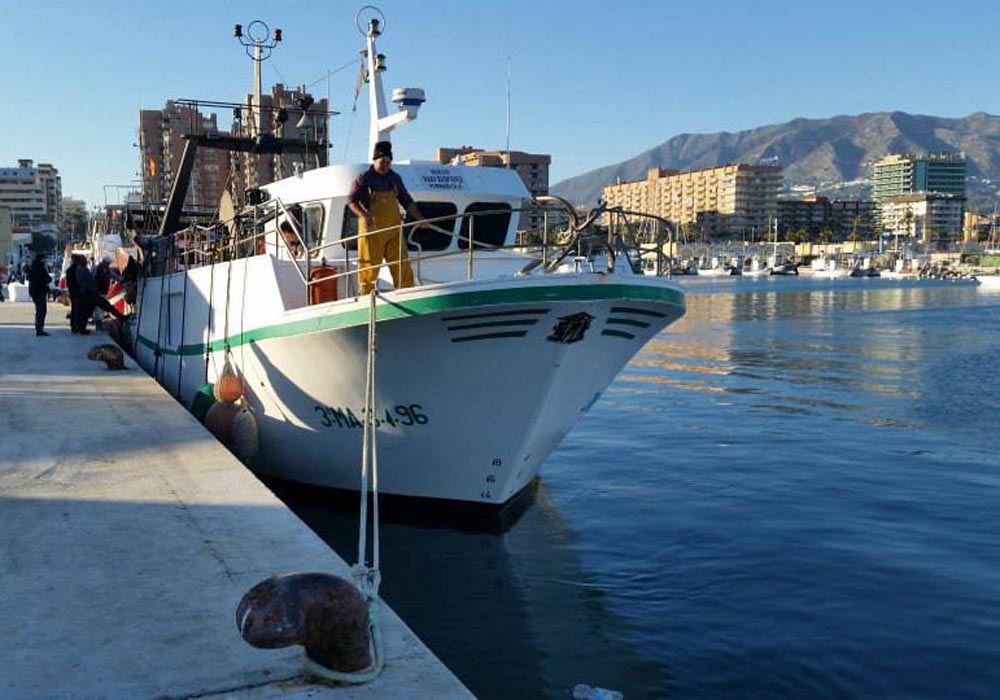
x=442, y=179
x=401, y=415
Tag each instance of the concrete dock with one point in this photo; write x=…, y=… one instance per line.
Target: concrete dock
x=128, y=535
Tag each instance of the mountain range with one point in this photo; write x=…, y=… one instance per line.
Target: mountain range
x=830, y=155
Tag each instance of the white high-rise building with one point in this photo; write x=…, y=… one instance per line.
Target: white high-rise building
x=34, y=196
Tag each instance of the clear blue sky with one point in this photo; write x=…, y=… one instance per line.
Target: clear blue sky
x=593, y=83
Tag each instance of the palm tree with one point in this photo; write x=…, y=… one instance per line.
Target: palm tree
x=907, y=221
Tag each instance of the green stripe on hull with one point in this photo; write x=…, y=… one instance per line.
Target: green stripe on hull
x=388, y=310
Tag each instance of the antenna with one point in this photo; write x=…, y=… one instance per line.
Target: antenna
x=508, y=111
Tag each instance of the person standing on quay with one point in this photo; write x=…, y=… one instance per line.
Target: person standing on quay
x=87, y=289
x=375, y=198
x=77, y=312
x=102, y=282
x=38, y=288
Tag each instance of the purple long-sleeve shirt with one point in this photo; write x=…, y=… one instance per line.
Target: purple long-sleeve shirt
x=370, y=181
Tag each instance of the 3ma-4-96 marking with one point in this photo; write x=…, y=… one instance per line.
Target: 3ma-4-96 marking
x=400, y=415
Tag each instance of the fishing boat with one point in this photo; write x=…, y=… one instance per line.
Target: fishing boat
x=754, y=266
x=482, y=366
x=902, y=269
x=988, y=281
x=828, y=267
x=715, y=267
x=781, y=263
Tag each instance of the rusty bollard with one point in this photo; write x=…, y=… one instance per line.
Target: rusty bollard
x=325, y=614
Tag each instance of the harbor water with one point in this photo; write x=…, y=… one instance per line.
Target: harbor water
x=794, y=491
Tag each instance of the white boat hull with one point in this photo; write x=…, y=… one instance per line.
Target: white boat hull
x=473, y=392
x=714, y=272
x=838, y=273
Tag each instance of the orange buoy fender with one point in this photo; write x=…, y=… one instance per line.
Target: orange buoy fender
x=229, y=386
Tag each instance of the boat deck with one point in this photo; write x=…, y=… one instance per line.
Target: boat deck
x=130, y=535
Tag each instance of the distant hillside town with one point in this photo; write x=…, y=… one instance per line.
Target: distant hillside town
x=827, y=170
x=921, y=197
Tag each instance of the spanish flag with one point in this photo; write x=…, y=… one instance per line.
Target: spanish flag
x=152, y=167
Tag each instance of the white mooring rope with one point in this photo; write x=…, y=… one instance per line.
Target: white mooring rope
x=366, y=579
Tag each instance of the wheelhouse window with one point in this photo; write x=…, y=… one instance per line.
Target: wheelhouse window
x=309, y=219
x=313, y=216
x=488, y=223
x=426, y=238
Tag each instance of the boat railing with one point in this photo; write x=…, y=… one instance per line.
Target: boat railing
x=645, y=235
x=251, y=231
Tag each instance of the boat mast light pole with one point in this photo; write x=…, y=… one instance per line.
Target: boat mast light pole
x=408, y=100
x=258, y=42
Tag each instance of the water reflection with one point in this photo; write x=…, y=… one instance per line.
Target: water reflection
x=803, y=346
x=507, y=607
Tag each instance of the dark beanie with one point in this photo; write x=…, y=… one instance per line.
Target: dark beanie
x=383, y=149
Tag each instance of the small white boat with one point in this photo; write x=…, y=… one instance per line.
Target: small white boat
x=756, y=268
x=989, y=282
x=828, y=268
x=715, y=267
x=902, y=269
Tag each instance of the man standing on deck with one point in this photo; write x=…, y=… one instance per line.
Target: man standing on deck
x=375, y=198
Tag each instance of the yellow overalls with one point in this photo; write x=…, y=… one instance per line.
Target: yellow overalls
x=386, y=245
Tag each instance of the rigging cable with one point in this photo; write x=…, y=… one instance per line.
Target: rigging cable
x=211, y=317
x=164, y=280
x=140, y=296
x=180, y=347
x=243, y=301
x=225, y=329
x=354, y=108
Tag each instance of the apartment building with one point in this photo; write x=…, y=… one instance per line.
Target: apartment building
x=814, y=214
x=851, y=218
x=735, y=199
x=810, y=214
x=281, y=115
x=161, y=146
x=898, y=176
x=33, y=194
x=934, y=219
x=533, y=169
x=6, y=238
